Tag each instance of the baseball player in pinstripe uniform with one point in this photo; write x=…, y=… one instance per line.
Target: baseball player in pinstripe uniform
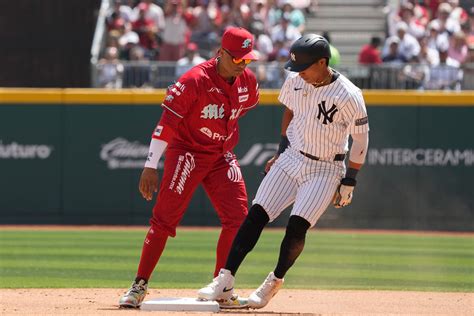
x=322, y=109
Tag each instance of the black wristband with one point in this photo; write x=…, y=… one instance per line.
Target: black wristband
x=284, y=142
x=351, y=173
x=350, y=182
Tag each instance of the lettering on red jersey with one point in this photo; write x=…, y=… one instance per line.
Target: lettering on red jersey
x=235, y=113
x=188, y=166
x=213, y=111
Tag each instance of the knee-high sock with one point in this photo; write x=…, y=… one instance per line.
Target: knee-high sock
x=292, y=244
x=153, y=247
x=223, y=247
x=246, y=237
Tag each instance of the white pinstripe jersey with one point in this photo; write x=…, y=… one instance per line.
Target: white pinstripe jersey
x=324, y=117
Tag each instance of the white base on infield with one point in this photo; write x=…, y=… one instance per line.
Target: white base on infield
x=179, y=304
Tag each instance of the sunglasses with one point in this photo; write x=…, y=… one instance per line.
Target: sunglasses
x=237, y=61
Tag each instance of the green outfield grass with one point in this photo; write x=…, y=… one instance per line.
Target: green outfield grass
x=331, y=260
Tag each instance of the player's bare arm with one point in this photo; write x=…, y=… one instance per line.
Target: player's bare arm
x=344, y=193
x=287, y=117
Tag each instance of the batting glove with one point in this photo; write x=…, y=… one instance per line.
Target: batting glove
x=344, y=192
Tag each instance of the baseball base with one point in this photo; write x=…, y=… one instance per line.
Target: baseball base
x=179, y=304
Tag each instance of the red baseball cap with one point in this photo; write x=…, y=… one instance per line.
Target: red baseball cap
x=239, y=43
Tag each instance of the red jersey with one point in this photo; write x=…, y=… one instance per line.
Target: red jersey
x=369, y=55
x=202, y=109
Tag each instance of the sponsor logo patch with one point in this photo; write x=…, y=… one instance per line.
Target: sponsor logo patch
x=158, y=130
x=362, y=121
x=242, y=89
x=243, y=98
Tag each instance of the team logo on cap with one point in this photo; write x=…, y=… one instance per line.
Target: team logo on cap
x=246, y=43
x=293, y=57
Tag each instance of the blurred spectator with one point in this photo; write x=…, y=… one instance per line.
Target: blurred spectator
x=428, y=55
x=127, y=41
x=273, y=15
x=274, y=74
x=446, y=75
x=114, y=21
x=296, y=16
x=434, y=37
x=285, y=32
x=335, y=55
x=457, y=13
x=113, y=38
x=393, y=54
x=370, y=54
x=121, y=10
x=407, y=15
x=110, y=69
x=276, y=48
x=458, y=47
x=137, y=73
x=203, y=18
x=468, y=69
x=153, y=12
x=259, y=10
x=174, y=33
x=263, y=42
x=190, y=60
x=414, y=74
x=408, y=46
x=147, y=31
x=443, y=22
x=420, y=11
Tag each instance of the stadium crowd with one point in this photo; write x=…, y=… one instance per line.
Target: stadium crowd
x=431, y=41
x=427, y=45
x=188, y=32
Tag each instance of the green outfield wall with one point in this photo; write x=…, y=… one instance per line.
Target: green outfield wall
x=74, y=156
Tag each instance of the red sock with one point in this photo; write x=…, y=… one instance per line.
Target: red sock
x=223, y=247
x=153, y=247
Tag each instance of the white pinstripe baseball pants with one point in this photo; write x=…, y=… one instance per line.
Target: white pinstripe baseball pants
x=307, y=183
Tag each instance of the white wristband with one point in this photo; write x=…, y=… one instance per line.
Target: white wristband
x=157, y=148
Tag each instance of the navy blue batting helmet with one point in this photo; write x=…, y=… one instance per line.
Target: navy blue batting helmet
x=306, y=50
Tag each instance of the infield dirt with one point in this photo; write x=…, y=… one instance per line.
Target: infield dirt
x=287, y=302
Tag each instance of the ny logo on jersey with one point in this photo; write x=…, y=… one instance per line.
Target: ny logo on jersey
x=327, y=114
x=212, y=111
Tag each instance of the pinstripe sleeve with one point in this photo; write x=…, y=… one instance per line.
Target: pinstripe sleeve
x=285, y=96
x=356, y=114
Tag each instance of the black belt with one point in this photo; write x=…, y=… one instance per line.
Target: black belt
x=338, y=157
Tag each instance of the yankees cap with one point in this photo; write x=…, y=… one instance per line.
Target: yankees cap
x=239, y=43
x=306, y=50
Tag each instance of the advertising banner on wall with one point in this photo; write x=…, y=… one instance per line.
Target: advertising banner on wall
x=81, y=164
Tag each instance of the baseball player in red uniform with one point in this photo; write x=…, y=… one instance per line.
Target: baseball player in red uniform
x=199, y=129
x=323, y=108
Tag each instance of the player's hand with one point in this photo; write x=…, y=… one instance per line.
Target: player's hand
x=344, y=193
x=270, y=163
x=148, y=183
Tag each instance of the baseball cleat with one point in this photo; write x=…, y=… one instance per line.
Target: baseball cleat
x=235, y=302
x=133, y=298
x=261, y=296
x=220, y=289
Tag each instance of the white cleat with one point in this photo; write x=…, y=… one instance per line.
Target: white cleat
x=220, y=289
x=133, y=298
x=261, y=296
